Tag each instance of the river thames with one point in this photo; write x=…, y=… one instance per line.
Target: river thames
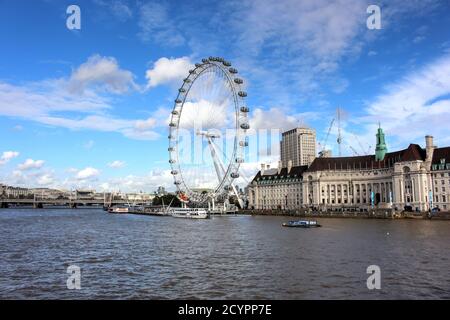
x=245, y=257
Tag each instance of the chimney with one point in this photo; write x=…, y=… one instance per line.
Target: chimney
x=289, y=166
x=280, y=166
x=262, y=168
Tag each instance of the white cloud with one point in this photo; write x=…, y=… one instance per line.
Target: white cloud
x=144, y=125
x=89, y=144
x=416, y=105
x=39, y=99
x=148, y=182
x=59, y=102
x=7, y=156
x=30, y=164
x=168, y=71
x=103, y=73
x=116, y=164
x=207, y=114
x=276, y=118
x=119, y=9
x=156, y=25
x=45, y=180
x=87, y=173
x=105, y=186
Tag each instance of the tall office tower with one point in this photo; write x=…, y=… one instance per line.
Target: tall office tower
x=298, y=145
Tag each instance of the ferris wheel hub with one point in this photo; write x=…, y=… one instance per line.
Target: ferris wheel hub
x=208, y=134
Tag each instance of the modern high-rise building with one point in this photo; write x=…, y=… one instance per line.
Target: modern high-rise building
x=299, y=146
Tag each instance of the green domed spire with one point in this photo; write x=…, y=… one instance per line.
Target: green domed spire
x=381, y=149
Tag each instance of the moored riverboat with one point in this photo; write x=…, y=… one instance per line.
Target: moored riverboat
x=189, y=213
x=302, y=224
x=119, y=209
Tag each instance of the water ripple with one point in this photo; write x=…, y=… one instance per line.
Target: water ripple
x=135, y=257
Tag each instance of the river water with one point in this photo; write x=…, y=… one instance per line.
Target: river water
x=143, y=257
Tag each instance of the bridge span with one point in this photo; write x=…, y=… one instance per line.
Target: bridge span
x=71, y=203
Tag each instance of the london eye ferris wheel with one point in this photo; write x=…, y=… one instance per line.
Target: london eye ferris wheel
x=207, y=132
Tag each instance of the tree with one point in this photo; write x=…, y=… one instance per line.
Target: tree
x=167, y=199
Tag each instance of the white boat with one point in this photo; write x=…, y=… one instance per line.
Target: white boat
x=301, y=224
x=121, y=209
x=189, y=213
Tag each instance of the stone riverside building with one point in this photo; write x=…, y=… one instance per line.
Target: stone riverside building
x=411, y=179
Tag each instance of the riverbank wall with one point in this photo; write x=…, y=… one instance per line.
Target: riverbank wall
x=370, y=214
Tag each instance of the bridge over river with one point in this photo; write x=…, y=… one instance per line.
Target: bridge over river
x=71, y=203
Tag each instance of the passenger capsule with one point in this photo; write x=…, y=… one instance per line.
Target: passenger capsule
x=242, y=94
x=235, y=175
x=226, y=64
x=182, y=90
x=175, y=112
x=172, y=124
x=204, y=60
x=243, y=143
x=187, y=80
x=239, y=160
x=191, y=71
x=174, y=172
x=171, y=149
x=197, y=65
x=177, y=183
x=238, y=81
x=245, y=109
x=245, y=126
x=211, y=58
x=172, y=161
x=178, y=101
x=233, y=70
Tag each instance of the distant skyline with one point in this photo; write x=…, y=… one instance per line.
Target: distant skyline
x=89, y=108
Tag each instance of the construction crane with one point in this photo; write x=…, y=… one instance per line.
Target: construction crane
x=354, y=151
x=339, y=138
x=324, y=144
x=365, y=151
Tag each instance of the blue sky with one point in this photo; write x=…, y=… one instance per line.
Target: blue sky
x=89, y=107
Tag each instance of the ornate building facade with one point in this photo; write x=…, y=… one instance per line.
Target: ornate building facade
x=413, y=179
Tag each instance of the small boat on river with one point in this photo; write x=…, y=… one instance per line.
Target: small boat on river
x=189, y=213
x=302, y=224
x=119, y=209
